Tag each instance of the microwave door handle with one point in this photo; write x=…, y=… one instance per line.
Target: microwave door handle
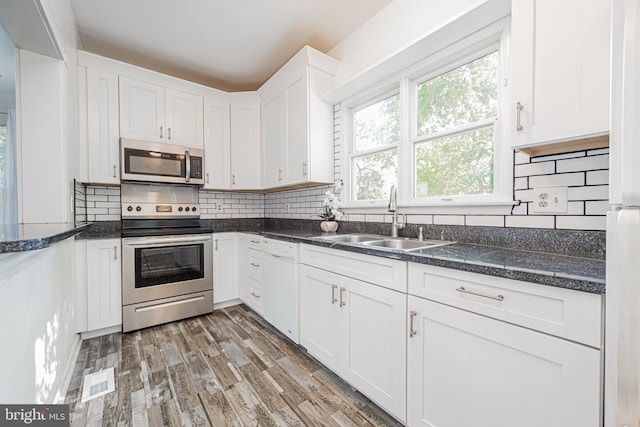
x=188, y=160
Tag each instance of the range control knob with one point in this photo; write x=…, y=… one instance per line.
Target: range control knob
x=129, y=208
x=193, y=209
x=138, y=208
x=180, y=209
x=187, y=209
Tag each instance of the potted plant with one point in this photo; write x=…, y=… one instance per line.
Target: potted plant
x=330, y=213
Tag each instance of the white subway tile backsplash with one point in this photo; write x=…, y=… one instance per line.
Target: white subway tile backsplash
x=559, y=156
x=594, y=192
x=521, y=183
x=583, y=164
x=557, y=180
x=598, y=151
x=581, y=222
x=598, y=177
x=530, y=221
x=529, y=169
x=599, y=207
x=485, y=220
x=520, y=158
x=448, y=219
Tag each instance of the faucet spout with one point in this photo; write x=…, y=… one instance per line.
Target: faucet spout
x=393, y=207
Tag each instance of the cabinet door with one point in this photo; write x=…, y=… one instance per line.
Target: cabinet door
x=297, y=141
x=184, y=122
x=319, y=310
x=141, y=110
x=245, y=142
x=560, y=70
x=103, y=127
x=373, y=331
x=104, y=292
x=217, y=143
x=273, y=143
x=225, y=276
x=465, y=369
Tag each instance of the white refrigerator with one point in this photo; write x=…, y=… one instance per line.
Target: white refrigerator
x=622, y=339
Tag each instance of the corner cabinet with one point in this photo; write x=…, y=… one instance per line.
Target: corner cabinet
x=560, y=75
x=245, y=140
x=99, y=125
x=154, y=113
x=297, y=126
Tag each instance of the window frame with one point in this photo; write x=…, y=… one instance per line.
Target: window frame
x=496, y=37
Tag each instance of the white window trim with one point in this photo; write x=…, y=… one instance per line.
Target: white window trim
x=474, y=46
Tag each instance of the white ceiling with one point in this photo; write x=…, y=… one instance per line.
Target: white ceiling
x=227, y=44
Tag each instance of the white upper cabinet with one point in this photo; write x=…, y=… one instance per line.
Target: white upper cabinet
x=153, y=113
x=245, y=140
x=560, y=73
x=99, y=111
x=217, y=145
x=297, y=126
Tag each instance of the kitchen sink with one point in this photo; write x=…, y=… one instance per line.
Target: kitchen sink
x=352, y=238
x=383, y=242
x=406, y=244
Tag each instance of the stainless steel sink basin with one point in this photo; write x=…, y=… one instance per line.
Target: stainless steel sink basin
x=406, y=244
x=384, y=242
x=352, y=238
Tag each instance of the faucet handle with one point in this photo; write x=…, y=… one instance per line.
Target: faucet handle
x=421, y=233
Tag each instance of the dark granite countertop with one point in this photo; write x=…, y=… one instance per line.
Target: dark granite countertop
x=29, y=237
x=545, y=268
x=570, y=269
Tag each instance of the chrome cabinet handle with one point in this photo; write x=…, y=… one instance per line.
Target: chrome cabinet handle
x=114, y=171
x=233, y=179
x=169, y=133
x=160, y=132
x=342, y=303
x=279, y=174
x=480, y=294
x=115, y=252
x=254, y=264
x=207, y=177
x=519, y=108
x=216, y=240
x=255, y=241
x=255, y=295
x=305, y=169
x=333, y=294
x=412, y=331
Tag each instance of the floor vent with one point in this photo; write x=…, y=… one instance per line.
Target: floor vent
x=98, y=384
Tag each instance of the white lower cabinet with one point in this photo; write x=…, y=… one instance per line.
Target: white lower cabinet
x=225, y=271
x=104, y=289
x=250, y=271
x=358, y=330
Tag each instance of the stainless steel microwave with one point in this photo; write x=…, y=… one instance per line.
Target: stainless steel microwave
x=156, y=162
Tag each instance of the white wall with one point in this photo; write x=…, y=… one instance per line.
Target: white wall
x=39, y=343
x=397, y=26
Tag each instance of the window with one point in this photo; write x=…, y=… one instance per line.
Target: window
x=455, y=115
x=438, y=134
x=376, y=135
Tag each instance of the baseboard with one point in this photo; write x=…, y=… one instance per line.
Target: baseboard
x=100, y=332
x=226, y=304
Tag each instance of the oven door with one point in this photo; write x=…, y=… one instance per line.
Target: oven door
x=166, y=266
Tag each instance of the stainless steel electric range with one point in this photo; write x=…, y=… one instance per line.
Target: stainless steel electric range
x=167, y=271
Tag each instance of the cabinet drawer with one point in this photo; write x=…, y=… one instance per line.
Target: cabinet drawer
x=389, y=273
x=254, y=268
x=280, y=249
x=255, y=295
x=561, y=312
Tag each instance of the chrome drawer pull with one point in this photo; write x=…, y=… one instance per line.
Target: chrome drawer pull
x=253, y=264
x=412, y=330
x=519, y=108
x=333, y=294
x=342, y=303
x=480, y=294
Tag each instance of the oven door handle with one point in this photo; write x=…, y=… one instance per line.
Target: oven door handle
x=171, y=240
x=187, y=174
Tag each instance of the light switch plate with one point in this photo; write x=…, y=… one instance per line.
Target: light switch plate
x=550, y=200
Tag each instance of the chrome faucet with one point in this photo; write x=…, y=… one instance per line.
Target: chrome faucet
x=393, y=207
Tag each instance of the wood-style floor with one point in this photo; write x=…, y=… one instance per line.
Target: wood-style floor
x=228, y=368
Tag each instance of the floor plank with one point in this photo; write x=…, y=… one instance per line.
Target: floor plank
x=228, y=368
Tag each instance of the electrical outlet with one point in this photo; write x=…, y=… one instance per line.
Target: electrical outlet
x=550, y=200
x=287, y=207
